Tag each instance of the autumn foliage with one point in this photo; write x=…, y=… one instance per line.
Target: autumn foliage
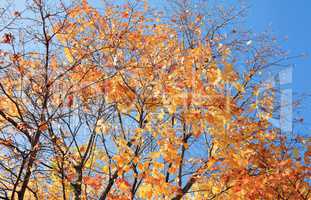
x=125, y=102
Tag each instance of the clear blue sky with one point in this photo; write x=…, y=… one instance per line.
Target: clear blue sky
x=291, y=18
x=287, y=18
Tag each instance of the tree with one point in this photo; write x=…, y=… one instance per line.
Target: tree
x=128, y=103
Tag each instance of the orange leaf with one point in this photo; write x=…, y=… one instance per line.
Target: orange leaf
x=43, y=127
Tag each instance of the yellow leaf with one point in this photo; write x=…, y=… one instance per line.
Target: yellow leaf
x=105, y=169
x=68, y=55
x=239, y=87
x=229, y=74
x=296, y=152
x=158, y=165
x=216, y=190
x=155, y=155
x=145, y=191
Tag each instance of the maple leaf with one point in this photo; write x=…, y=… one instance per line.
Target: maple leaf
x=94, y=182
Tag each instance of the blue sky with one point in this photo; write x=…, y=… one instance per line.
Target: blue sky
x=288, y=19
x=291, y=19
